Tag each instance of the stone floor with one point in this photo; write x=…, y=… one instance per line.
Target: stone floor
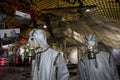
x=14, y=73
x=22, y=73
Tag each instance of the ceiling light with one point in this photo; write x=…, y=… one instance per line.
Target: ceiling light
x=87, y=10
x=45, y=26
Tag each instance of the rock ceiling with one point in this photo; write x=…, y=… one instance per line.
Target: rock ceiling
x=66, y=18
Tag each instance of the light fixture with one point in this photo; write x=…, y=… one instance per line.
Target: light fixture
x=87, y=10
x=45, y=26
